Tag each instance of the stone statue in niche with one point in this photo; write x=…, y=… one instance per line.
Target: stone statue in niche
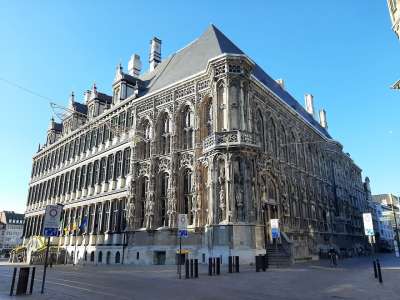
x=131, y=204
x=222, y=198
x=150, y=210
x=239, y=201
x=171, y=209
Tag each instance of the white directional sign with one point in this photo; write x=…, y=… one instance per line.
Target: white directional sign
x=182, y=225
x=275, y=228
x=51, y=222
x=368, y=225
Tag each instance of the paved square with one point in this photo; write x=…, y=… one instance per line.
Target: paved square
x=352, y=279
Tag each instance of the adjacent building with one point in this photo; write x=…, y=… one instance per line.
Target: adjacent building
x=394, y=11
x=205, y=132
x=11, y=230
x=390, y=210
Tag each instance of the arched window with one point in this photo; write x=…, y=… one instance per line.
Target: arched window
x=164, y=179
x=260, y=136
x=100, y=257
x=144, y=186
x=117, y=258
x=221, y=107
x=187, y=128
x=92, y=256
x=293, y=149
x=146, y=139
x=209, y=117
x=108, y=258
x=282, y=144
x=164, y=134
x=272, y=136
x=187, y=195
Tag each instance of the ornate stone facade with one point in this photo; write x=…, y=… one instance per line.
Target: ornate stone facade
x=224, y=144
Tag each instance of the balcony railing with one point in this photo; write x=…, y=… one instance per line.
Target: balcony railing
x=229, y=139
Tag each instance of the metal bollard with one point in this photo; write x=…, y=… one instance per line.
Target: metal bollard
x=191, y=268
x=32, y=280
x=379, y=271
x=237, y=264
x=209, y=266
x=230, y=266
x=213, y=264
x=258, y=263
x=187, y=269
x=375, y=271
x=196, y=268
x=13, y=281
x=218, y=265
x=266, y=261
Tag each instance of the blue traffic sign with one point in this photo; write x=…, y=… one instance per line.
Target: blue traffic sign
x=183, y=233
x=50, y=232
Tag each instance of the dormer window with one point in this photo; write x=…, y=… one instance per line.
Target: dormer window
x=117, y=93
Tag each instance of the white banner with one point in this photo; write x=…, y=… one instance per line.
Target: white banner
x=182, y=222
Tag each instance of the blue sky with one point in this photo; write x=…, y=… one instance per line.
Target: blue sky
x=343, y=52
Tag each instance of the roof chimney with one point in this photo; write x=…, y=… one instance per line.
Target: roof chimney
x=322, y=118
x=309, y=102
x=134, y=65
x=155, y=53
x=281, y=82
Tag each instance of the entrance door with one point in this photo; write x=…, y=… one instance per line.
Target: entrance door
x=159, y=257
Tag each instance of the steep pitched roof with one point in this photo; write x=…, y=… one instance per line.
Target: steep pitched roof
x=194, y=58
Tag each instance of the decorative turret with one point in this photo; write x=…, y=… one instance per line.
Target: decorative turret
x=155, y=53
x=309, y=103
x=322, y=118
x=134, y=65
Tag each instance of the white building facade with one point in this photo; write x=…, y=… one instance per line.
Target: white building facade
x=205, y=132
x=11, y=230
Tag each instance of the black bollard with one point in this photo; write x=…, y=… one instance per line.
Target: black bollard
x=266, y=262
x=237, y=264
x=258, y=263
x=196, y=268
x=230, y=267
x=209, y=266
x=213, y=264
x=379, y=271
x=187, y=269
x=32, y=280
x=375, y=272
x=218, y=265
x=13, y=281
x=191, y=268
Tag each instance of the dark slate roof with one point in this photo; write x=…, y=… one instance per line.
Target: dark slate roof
x=104, y=97
x=57, y=127
x=11, y=216
x=194, y=58
x=79, y=107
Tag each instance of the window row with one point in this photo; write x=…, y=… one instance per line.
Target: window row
x=102, y=170
x=84, y=142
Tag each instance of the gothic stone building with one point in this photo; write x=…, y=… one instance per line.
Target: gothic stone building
x=205, y=132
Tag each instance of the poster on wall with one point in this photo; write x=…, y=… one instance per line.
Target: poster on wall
x=275, y=233
x=368, y=226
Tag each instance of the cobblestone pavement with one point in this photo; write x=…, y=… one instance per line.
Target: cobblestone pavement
x=352, y=279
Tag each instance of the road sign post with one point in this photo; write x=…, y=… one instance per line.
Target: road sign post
x=51, y=225
x=182, y=233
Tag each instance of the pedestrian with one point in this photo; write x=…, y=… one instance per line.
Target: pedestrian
x=333, y=256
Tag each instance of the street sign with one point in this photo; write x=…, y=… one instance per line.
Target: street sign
x=183, y=233
x=182, y=225
x=368, y=226
x=51, y=222
x=275, y=232
x=182, y=222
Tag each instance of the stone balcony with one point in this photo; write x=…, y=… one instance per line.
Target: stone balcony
x=234, y=138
